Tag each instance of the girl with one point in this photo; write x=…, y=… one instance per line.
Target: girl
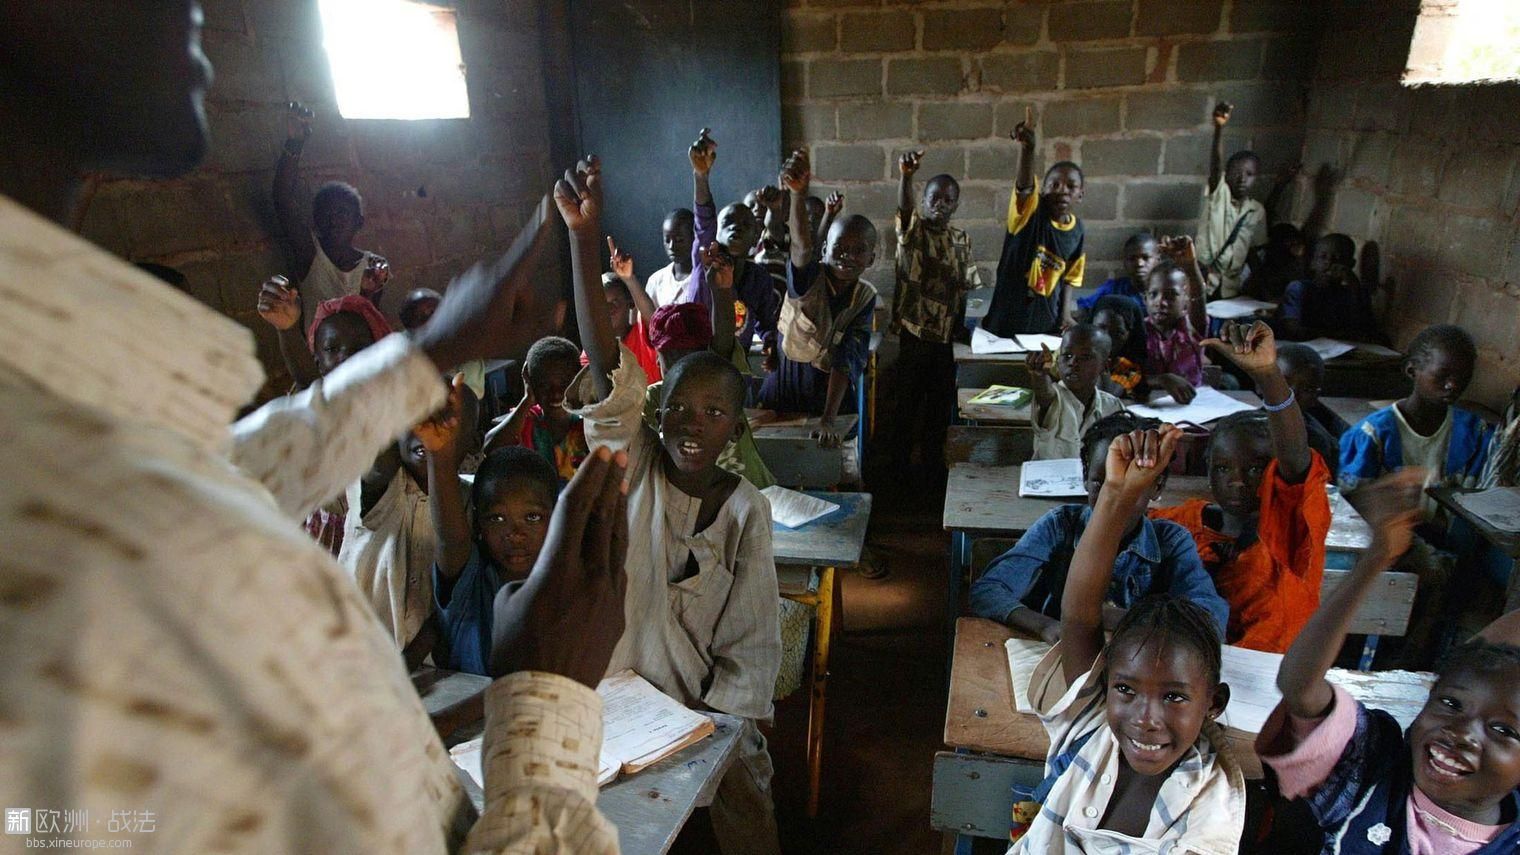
x=1124, y=321
x=1175, y=321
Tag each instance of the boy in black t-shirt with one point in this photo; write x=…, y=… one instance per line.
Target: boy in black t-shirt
x=1042, y=253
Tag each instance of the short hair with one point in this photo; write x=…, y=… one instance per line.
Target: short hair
x=1165, y=268
x=680, y=215
x=1134, y=318
x=707, y=363
x=336, y=193
x=1109, y=428
x=1240, y=157
x=549, y=349
x=1168, y=619
x=1250, y=422
x=1094, y=335
x=612, y=282
x=1138, y=239
x=1481, y=656
x=1299, y=355
x=861, y=222
x=944, y=178
x=1066, y=164
x=1448, y=337
x=408, y=313
x=1342, y=245
x=505, y=464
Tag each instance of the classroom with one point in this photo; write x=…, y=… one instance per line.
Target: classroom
x=761, y=426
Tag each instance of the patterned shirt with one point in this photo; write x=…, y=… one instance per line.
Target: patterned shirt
x=1177, y=352
x=1041, y=258
x=934, y=272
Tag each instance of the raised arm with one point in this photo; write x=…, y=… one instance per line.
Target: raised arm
x=720, y=273
x=1391, y=506
x=907, y=165
x=280, y=304
x=1039, y=363
x=1135, y=462
x=579, y=197
x=1254, y=349
x=507, y=431
x=775, y=225
x=1181, y=250
x=289, y=210
x=1325, y=182
x=796, y=175
x=1023, y=184
x=831, y=208
x=440, y=436
x=703, y=154
x=1216, y=152
x=622, y=265
x=1280, y=187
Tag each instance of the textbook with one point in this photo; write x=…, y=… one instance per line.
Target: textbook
x=1002, y=396
x=1052, y=479
x=640, y=727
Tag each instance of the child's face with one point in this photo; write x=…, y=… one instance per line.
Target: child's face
x=414, y=457
x=1062, y=190
x=513, y=522
x=339, y=337
x=418, y=311
x=752, y=201
x=1115, y=325
x=679, y=237
x=1304, y=380
x=1237, y=461
x=619, y=311
x=848, y=253
x=737, y=231
x=815, y=211
x=1139, y=259
x=1081, y=361
x=1441, y=376
x=336, y=224
x=552, y=381
x=1465, y=743
x=941, y=198
x=1166, y=298
x=698, y=421
x=1159, y=696
x=1240, y=176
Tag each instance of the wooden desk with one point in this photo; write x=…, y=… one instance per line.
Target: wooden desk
x=1504, y=541
x=991, y=415
x=836, y=540
x=1365, y=375
x=985, y=369
x=786, y=444
x=455, y=701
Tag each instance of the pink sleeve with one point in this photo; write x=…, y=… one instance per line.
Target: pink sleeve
x=1303, y=752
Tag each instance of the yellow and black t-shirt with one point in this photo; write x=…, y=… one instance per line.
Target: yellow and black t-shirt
x=1041, y=257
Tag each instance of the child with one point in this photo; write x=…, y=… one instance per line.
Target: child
x=824, y=334
x=540, y=421
x=417, y=309
x=1233, y=223
x=1023, y=587
x=1174, y=319
x=934, y=272
x=1449, y=783
x=666, y=284
x=1136, y=761
x=828, y=213
x=1277, y=264
x=1304, y=370
x=1064, y=410
x=1262, y=537
x=1141, y=252
x=1123, y=320
x=1331, y=302
x=1042, y=256
x=629, y=314
x=702, y=600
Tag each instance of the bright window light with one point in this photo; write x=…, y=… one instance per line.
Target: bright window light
x=394, y=59
x=1465, y=41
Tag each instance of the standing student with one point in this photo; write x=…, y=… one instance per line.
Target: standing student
x=1065, y=409
x=677, y=232
x=1043, y=257
x=1233, y=223
x=540, y=420
x=934, y=273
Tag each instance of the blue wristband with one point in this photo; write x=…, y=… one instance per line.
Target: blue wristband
x=1277, y=408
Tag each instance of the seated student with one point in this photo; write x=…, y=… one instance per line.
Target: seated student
x=630, y=309
x=1141, y=252
x=702, y=599
x=824, y=335
x=821, y=218
x=666, y=285
x=1124, y=323
x=1233, y=223
x=1042, y=259
x=1137, y=761
x=1023, y=587
x=1066, y=409
x=416, y=310
x=1450, y=782
x=770, y=251
x=1175, y=321
x=1262, y=537
x=540, y=421
x=1503, y=466
x=1332, y=301
x=1304, y=370
x=1277, y=264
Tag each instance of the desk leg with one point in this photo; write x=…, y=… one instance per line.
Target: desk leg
x=821, y=644
x=960, y=559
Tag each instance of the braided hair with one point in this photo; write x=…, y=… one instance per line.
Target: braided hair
x=1448, y=337
x=1251, y=422
x=1480, y=656
x=1108, y=428
x=1166, y=619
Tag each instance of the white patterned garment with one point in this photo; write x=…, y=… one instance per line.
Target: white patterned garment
x=175, y=645
x=388, y=551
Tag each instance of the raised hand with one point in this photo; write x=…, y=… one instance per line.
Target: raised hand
x=797, y=172
x=703, y=153
x=1023, y=132
x=568, y=616
x=377, y=272
x=279, y=303
x=1252, y=346
x=440, y=432
x=622, y=262
x=578, y=195
x=769, y=196
x=1137, y=460
x=1391, y=506
x=1180, y=249
x=909, y=162
x=1222, y=110
x=834, y=204
x=718, y=267
x=298, y=118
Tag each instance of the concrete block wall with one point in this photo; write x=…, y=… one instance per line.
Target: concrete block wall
x=438, y=195
x=1432, y=176
x=1123, y=87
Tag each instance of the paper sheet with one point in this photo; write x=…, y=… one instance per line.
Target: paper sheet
x=1023, y=655
x=1329, y=348
x=983, y=342
x=1002, y=396
x=792, y=509
x=639, y=721
x=1237, y=307
x=1499, y=506
x=1034, y=341
x=467, y=756
x=1052, y=479
x=1208, y=405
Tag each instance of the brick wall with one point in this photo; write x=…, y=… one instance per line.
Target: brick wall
x=1432, y=176
x=438, y=194
x=1123, y=87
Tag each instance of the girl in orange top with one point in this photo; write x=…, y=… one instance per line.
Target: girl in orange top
x=1262, y=537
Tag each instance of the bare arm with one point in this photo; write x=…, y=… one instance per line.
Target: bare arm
x=1039, y=381
x=907, y=165
x=1325, y=182
x=720, y=273
x=506, y=432
x=440, y=436
x=622, y=265
x=1279, y=187
x=831, y=208
x=796, y=174
x=1504, y=630
x=1033, y=622
x=280, y=305
x=703, y=153
x=1023, y=134
x=288, y=208
x=1216, y=152
x=1254, y=349
x=579, y=197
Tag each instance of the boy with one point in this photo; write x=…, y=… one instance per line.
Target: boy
x=934, y=273
x=1064, y=410
x=1304, y=370
x=540, y=421
x=1173, y=321
x=824, y=334
x=666, y=284
x=416, y=310
x=1233, y=223
x=702, y=602
x=1332, y=301
x=1042, y=256
x=1262, y=537
x=1023, y=587
x=1141, y=252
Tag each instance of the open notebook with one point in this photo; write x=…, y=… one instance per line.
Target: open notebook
x=640, y=727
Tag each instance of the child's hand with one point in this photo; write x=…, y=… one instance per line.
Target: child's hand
x=834, y=204
x=1251, y=346
x=703, y=153
x=528, y=399
x=622, y=262
x=377, y=272
x=579, y=195
x=1023, y=132
x=827, y=434
x=797, y=172
x=909, y=162
x=279, y=303
x=1222, y=110
x=1041, y=365
x=1391, y=506
x=298, y=119
x=768, y=361
x=1180, y=248
x=440, y=433
x=1180, y=389
x=769, y=196
x=1137, y=460
x=718, y=267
